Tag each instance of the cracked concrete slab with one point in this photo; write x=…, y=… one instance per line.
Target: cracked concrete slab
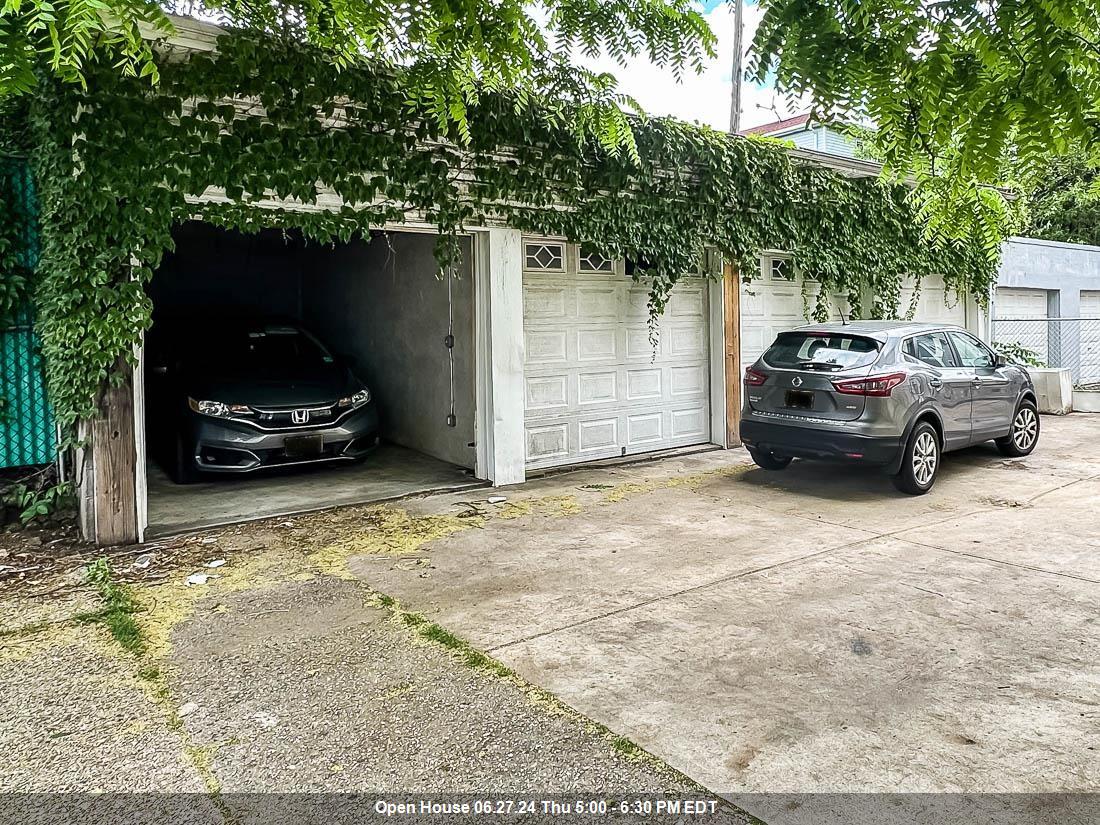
x=809, y=630
x=309, y=687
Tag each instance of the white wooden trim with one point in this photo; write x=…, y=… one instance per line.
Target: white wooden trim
x=717, y=353
x=498, y=296
x=141, y=480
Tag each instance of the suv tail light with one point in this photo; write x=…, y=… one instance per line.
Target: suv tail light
x=879, y=386
x=754, y=378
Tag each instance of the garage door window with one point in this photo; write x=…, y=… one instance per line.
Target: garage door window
x=592, y=261
x=544, y=257
x=781, y=270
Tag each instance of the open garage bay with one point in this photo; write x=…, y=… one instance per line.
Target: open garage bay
x=283, y=375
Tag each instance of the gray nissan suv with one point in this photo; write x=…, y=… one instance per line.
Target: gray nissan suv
x=891, y=394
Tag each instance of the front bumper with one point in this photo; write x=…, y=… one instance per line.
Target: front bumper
x=221, y=446
x=806, y=442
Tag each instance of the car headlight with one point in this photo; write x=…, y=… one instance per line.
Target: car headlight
x=355, y=401
x=218, y=409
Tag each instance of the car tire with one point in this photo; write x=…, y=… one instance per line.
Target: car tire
x=770, y=461
x=920, y=465
x=183, y=464
x=1024, y=435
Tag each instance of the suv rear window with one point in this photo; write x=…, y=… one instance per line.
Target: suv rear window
x=821, y=351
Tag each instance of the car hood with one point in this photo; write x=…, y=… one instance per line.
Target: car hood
x=315, y=388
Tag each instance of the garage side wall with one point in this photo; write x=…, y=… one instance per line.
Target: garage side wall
x=382, y=303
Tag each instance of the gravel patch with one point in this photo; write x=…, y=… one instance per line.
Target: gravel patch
x=75, y=718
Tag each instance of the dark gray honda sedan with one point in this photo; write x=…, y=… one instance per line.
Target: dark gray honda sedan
x=243, y=395
x=892, y=394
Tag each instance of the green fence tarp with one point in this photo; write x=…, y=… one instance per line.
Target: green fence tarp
x=27, y=432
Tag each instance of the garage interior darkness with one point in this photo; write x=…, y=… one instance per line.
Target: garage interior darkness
x=375, y=302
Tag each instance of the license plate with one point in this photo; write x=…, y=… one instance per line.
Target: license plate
x=800, y=399
x=304, y=446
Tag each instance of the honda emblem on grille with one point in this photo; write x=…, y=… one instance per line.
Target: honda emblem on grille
x=299, y=416
x=796, y=382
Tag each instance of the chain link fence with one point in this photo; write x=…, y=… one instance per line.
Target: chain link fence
x=1067, y=343
x=27, y=431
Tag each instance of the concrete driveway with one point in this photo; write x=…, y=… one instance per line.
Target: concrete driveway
x=805, y=631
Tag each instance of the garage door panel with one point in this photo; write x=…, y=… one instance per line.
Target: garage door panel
x=546, y=392
x=638, y=346
x=644, y=429
x=598, y=434
x=688, y=302
x=687, y=341
x=595, y=385
x=643, y=384
x=688, y=380
x=544, y=303
x=548, y=442
x=599, y=344
x=689, y=423
x=546, y=347
x=596, y=304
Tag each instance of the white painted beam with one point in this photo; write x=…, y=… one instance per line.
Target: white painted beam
x=498, y=290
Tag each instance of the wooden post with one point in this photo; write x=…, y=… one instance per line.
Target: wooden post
x=114, y=458
x=731, y=294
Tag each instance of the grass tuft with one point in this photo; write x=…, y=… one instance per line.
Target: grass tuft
x=119, y=607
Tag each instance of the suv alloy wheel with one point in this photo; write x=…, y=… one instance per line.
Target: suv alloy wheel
x=921, y=463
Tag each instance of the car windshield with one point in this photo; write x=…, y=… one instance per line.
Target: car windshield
x=261, y=349
x=826, y=351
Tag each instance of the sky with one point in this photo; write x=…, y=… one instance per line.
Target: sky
x=706, y=97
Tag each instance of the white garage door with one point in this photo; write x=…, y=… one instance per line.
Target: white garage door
x=594, y=385
x=774, y=303
x=935, y=303
x=1020, y=318
x=1090, y=337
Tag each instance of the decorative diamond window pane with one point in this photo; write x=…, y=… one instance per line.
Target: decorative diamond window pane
x=781, y=270
x=593, y=261
x=545, y=256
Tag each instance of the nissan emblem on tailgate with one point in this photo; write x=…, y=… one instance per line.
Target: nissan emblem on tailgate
x=796, y=382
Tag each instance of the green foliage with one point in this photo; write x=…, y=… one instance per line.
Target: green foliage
x=960, y=90
x=16, y=231
x=35, y=503
x=1064, y=202
x=118, y=165
x=119, y=607
x=450, y=53
x=63, y=35
x=1018, y=354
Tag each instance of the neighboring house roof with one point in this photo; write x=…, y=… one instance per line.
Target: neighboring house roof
x=779, y=126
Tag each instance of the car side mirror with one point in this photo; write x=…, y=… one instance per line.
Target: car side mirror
x=999, y=361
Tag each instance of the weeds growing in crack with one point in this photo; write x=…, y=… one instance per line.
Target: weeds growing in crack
x=119, y=607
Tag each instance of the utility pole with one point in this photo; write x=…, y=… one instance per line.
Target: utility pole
x=738, y=69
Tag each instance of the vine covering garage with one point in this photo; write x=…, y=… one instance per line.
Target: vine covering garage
x=262, y=124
